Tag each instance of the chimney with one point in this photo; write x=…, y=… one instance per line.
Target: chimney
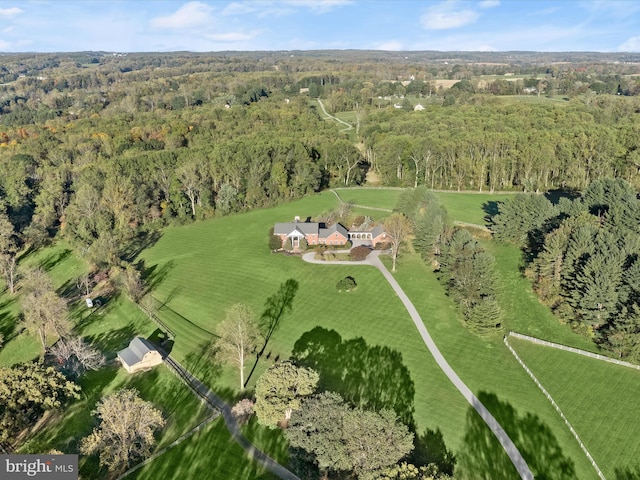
x=296, y=219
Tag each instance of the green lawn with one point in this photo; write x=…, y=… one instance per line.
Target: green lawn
x=598, y=400
x=470, y=207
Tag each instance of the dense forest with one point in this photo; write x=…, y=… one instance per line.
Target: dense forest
x=104, y=149
x=583, y=257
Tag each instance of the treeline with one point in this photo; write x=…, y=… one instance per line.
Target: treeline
x=463, y=266
x=496, y=146
x=107, y=181
x=584, y=259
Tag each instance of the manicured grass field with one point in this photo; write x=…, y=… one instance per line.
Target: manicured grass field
x=599, y=400
x=469, y=207
x=371, y=197
x=226, y=261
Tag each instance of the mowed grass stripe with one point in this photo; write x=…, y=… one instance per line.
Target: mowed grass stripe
x=486, y=365
x=223, y=273
x=600, y=400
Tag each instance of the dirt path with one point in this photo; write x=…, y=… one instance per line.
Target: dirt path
x=349, y=126
x=514, y=454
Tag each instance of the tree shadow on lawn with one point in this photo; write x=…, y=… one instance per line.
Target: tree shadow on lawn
x=370, y=377
x=482, y=457
x=112, y=341
x=209, y=454
x=154, y=275
x=54, y=259
x=628, y=473
x=8, y=321
x=275, y=308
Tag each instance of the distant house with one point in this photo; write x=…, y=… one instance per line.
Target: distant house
x=139, y=355
x=418, y=108
x=317, y=233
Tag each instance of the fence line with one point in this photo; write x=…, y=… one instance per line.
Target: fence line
x=178, y=440
x=554, y=404
x=573, y=350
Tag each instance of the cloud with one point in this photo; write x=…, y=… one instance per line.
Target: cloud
x=237, y=8
x=489, y=3
x=320, y=6
x=10, y=12
x=447, y=15
x=192, y=14
x=391, y=45
x=631, y=45
x=4, y=45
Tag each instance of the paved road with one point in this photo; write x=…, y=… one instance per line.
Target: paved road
x=230, y=421
x=514, y=454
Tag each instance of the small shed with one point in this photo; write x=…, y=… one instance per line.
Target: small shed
x=139, y=355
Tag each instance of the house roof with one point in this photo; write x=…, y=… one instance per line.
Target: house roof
x=336, y=227
x=135, y=352
x=307, y=228
x=377, y=230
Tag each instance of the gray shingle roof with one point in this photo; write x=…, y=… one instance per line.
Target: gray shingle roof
x=336, y=227
x=307, y=228
x=136, y=351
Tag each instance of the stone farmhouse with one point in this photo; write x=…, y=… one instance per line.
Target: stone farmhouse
x=317, y=233
x=139, y=355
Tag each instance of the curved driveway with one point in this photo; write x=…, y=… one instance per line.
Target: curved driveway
x=508, y=445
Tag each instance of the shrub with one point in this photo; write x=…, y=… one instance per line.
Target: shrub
x=359, y=253
x=303, y=244
x=383, y=246
x=275, y=243
x=347, y=284
x=243, y=410
x=288, y=245
x=349, y=244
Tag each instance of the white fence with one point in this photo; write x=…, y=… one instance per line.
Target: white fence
x=549, y=397
x=573, y=350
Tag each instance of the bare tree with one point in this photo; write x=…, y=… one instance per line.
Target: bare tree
x=76, y=356
x=398, y=227
x=239, y=336
x=126, y=429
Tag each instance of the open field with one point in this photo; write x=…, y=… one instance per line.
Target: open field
x=198, y=270
x=219, y=277
x=597, y=398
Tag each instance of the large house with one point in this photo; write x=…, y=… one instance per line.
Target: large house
x=317, y=233
x=139, y=355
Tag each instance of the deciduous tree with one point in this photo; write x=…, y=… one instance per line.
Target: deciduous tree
x=398, y=228
x=239, y=336
x=126, y=429
x=280, y=390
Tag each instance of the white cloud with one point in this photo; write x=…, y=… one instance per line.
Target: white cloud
x=192, y=14
x=631, y=45
x=489, y=3
x=391, y=45
x=320, y=6
x=447, y=15
x=10, y=12
x=4, y=45
x=237, y=8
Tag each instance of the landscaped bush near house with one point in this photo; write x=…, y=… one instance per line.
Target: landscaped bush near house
x=288, y=245
x=349, y=244
x=303, y=244
x=359, y=253
x=383, y=246
x=347, y=284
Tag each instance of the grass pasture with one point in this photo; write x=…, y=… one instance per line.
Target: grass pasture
x=597, y=398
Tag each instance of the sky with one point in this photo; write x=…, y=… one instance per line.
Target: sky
x=206, y=25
